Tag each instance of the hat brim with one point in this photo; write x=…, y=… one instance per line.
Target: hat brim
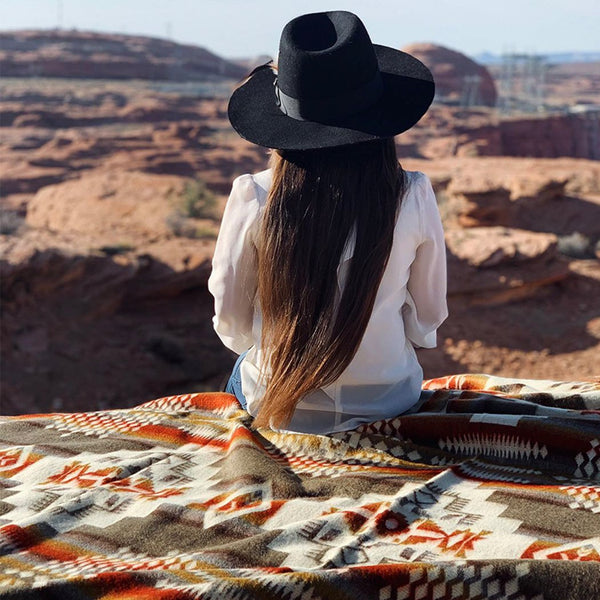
x=408, y=93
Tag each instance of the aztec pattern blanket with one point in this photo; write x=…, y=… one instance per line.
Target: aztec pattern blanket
x=489, y=489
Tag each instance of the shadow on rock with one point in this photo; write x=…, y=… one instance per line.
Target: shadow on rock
x=86, y=332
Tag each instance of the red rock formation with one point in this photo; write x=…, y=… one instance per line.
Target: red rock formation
x=494, y=265
x=116, y=206
x=73, y=54
x=551, y=136
x=452, y=70
x=103, y=305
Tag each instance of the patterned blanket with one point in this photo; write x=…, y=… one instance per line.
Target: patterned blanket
x=489, y=489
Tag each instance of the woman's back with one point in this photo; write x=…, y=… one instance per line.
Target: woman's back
x=383, y=378
x=319, y=202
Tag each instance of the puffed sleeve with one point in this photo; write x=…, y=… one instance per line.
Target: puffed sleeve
x=233, y=280
x=426, y=308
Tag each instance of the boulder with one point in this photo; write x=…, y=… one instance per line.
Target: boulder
x=119, y=207
x=483, y=206
x=493, y=265
x=558, y=196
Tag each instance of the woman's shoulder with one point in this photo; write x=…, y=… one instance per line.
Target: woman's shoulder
x=252, y=187
x=416, y=179
x=417, y=188
x=416, y=201
x=263, y=180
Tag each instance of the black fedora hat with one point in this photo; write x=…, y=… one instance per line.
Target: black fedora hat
x=332, y=87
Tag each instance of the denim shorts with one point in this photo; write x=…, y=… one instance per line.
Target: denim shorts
x=234, y=385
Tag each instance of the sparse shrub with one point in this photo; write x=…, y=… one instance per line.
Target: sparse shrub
x=197, y=201
x=11, y=222
x=450, y=206
x=205, y=233
x=575, y=245
x=180, y=225
x=114, y=249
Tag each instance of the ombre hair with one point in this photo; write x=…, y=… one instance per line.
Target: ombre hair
x=319, y=201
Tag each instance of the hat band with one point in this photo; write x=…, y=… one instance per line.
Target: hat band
x=334, y=107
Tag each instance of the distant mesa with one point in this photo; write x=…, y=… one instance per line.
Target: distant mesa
x=251, y=63
x=89, y=55
x=458, y=79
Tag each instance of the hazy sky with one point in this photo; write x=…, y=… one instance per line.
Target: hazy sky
x=238, y=28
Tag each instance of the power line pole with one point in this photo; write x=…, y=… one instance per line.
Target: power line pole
x=59, y=13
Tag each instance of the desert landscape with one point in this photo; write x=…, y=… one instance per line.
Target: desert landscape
x=116, y=158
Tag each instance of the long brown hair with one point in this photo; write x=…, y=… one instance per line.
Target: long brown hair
x=318, y=200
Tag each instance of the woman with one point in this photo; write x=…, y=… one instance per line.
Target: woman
x=330, y=266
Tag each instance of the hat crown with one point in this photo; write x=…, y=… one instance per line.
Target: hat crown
x=333, y=87
x=324, y=54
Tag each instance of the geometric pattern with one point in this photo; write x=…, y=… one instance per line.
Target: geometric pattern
x=472, y=581
x=489, y=488
x=584, y=497
x=588, y=463
x=493, y=445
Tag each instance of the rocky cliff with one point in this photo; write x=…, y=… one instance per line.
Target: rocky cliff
x=103, y=270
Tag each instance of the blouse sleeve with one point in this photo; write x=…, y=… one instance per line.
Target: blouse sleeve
x=233, y=279
x=426, y=308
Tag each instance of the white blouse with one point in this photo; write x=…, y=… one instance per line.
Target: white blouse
x=384, y=378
